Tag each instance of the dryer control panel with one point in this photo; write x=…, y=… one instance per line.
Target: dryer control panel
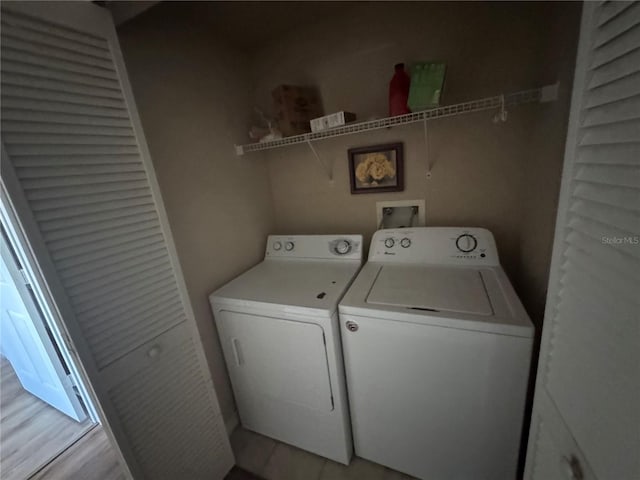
x=309, y=247
x=435, y=245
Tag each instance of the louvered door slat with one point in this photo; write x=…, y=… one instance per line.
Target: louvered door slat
x=624, y=44
x=618, y=25
x=121, y=299
x=77, y=282
x=90, y=297
x=19, y=33
x=624, y=220
x=66, y=207
x=620, y=154
x=598, y=291
x=601, y=267
x=61, y=107
x=78, y=170
x=55, y=118
x=167, y=307
x=621, y=176
x=43, y=183
x=57, y=64
x=25, y=44
x=613, y=113
x=121, y=317
x=621, y=132
x=588, y=381
x=83, y=268
x=73, y=195
x=65, y=129
x=55, y=220
x=623, y=198
x=30, y=25
x=609, y=10
x=116, y=273
x=112, y=249
x=615, y=91
x=51, y=94
x=615, y=70
x=36, y=82
x=94, y=227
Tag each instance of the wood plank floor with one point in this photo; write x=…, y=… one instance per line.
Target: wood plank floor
x=32, y=433
x=90, y=458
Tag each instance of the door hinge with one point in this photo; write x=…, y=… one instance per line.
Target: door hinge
x=25, y=277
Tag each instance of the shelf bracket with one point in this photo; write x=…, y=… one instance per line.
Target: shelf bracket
x=327, y=169
x=501, y=116
x=426, y=149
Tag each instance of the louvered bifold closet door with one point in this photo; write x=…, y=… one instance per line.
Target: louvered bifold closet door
x=79, y=175
x=590, y=360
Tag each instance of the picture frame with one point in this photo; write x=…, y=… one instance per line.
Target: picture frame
x=376, y=169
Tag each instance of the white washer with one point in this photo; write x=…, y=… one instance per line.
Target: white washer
x=437, y=349
x=278, y=325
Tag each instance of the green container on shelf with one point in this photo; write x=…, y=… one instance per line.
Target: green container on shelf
x=427, y=80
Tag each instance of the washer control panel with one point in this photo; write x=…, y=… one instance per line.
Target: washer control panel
x=329, y=247
x=435, y=245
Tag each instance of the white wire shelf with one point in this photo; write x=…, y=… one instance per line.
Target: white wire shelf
x=542, y=94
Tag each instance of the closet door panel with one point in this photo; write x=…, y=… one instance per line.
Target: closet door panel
x=589, y=368
x=77, y=171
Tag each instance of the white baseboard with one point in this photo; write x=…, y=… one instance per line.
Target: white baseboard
x=232, y=423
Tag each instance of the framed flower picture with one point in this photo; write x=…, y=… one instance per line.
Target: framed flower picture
x=378, y=168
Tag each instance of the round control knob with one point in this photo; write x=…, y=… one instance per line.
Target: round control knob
x=389, y=242
x=466, y=243
x=288, y=246
x=342, y=247
x=405, y=242
x=277, y=246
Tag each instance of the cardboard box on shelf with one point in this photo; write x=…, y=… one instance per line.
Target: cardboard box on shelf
x=295, y=106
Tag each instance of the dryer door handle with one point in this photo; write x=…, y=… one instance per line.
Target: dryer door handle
x=237, y=354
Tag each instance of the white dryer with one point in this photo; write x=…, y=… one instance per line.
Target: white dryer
x=437, y=350
x=278, y=325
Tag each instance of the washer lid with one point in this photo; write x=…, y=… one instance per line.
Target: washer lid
x=431, y=288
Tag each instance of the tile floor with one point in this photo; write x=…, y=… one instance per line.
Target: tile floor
x=273, y=460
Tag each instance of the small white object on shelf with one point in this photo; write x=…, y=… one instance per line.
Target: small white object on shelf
x=337, y=119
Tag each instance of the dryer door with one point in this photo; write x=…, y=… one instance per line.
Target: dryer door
x=275, y=361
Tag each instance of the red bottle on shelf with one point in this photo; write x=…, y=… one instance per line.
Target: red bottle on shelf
x=399, y=92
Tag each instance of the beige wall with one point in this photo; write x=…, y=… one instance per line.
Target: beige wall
x=193, y=98
x=503, y=177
